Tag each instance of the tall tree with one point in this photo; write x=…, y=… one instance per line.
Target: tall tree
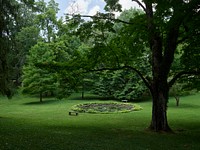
x=8, y=21
x=46, y=20
x=34, y=25
x=36, y=80
x=25, y=36
x=157, y=32
x=24, y=40
x=167, y=25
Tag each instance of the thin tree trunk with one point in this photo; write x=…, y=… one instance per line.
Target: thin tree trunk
x=40, y=97
x=177, y=100
x=83, y=91
x=82, y=96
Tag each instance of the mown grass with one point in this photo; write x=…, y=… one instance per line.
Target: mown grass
x=25, y=124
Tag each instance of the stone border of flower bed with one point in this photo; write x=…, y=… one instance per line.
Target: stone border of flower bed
x=106, y=107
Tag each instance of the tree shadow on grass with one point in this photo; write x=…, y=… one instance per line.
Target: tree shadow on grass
x=141, y=100
x=42, y=103
x=184, y=106
x=96, y=97
x=90, y=98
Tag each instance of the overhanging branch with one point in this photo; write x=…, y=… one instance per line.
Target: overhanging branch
x=146, y=82
x=103, y=17
x=188, y=37
x=140, y=4
x=182, y=73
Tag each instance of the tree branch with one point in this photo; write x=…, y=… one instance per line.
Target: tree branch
x=146, y=82
x=187, y=37
x=140, y=4
x=103, y=17
x=180, y=74
x=182, y=40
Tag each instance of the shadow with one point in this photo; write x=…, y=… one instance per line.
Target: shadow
x=91, y=97
x=96, y=97
x=182, y=105
x=141, y=100
x=4, y=118
x=42, y=103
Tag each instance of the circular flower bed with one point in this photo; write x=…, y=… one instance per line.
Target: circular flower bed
x=106, y=107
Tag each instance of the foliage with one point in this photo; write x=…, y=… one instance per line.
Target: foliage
x=67, y=51
x=110, y=48
x=46, y=19
x=62, y=48
x=48, y=61
x=24, y=40
x=119, y=85
x=28, y=32
x=37, y=80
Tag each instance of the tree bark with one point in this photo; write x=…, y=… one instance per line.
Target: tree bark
x=159, y=107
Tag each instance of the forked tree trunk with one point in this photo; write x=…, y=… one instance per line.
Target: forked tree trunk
x=177, y=100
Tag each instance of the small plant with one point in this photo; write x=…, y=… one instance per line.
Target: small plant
x=106, y=107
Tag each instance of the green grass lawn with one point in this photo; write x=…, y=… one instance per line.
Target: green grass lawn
x=25, y=124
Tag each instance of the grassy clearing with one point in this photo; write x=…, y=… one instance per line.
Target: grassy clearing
x=27, y=124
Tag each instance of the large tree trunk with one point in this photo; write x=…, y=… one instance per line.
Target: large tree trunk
x=162, y=58
x=159, y=107
x=159, y=87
